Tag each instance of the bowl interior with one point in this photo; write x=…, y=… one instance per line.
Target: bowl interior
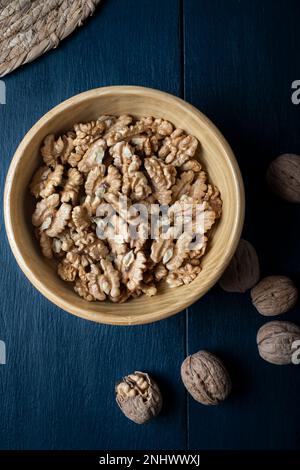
x=215, y=155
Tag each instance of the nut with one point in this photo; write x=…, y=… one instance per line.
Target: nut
x=45, y=181
x=178, y=148
x=283, y=177
x=275, y=341
x=243, y=271
x=274, y=295
x=139, y=397
x=205, y=378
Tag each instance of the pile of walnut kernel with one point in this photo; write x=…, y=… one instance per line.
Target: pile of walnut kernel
x=145, y=161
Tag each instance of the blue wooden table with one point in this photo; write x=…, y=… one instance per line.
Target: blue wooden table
x=234, y=60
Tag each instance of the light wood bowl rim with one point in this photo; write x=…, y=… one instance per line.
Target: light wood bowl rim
x=104, y=317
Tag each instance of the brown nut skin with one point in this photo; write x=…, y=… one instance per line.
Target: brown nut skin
x=283, y=177
x=274, y=295
x=145, y=404
x=243, y=270
x=205, y=378
x=275, y=340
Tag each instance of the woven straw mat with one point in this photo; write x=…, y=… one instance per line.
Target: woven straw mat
x=28, y=28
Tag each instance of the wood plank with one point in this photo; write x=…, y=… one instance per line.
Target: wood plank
x=240, y=60
x=57, y=387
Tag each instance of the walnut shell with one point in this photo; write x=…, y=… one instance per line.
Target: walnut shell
x=243, y=271
x=274, y=295
x=139, y=397
x=205, y=378
x=283, y=177
x=275, y=340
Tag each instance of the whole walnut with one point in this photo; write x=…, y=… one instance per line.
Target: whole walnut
x=275, y=341
x=274, y=295
x=205, y=378
x=283, y=177
x=243, y=271
x=139, y=397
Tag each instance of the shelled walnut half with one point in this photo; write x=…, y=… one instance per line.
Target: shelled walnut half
x=206, y=378
x=274, y=295
x=276, y=341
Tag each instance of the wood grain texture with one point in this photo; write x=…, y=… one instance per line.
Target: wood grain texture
x=240, y=60
x=215, y=155
x=57, y=387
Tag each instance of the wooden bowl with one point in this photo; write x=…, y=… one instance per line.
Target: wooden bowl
x=214, y=153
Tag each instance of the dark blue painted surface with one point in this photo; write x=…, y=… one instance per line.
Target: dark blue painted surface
x=235, y=60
